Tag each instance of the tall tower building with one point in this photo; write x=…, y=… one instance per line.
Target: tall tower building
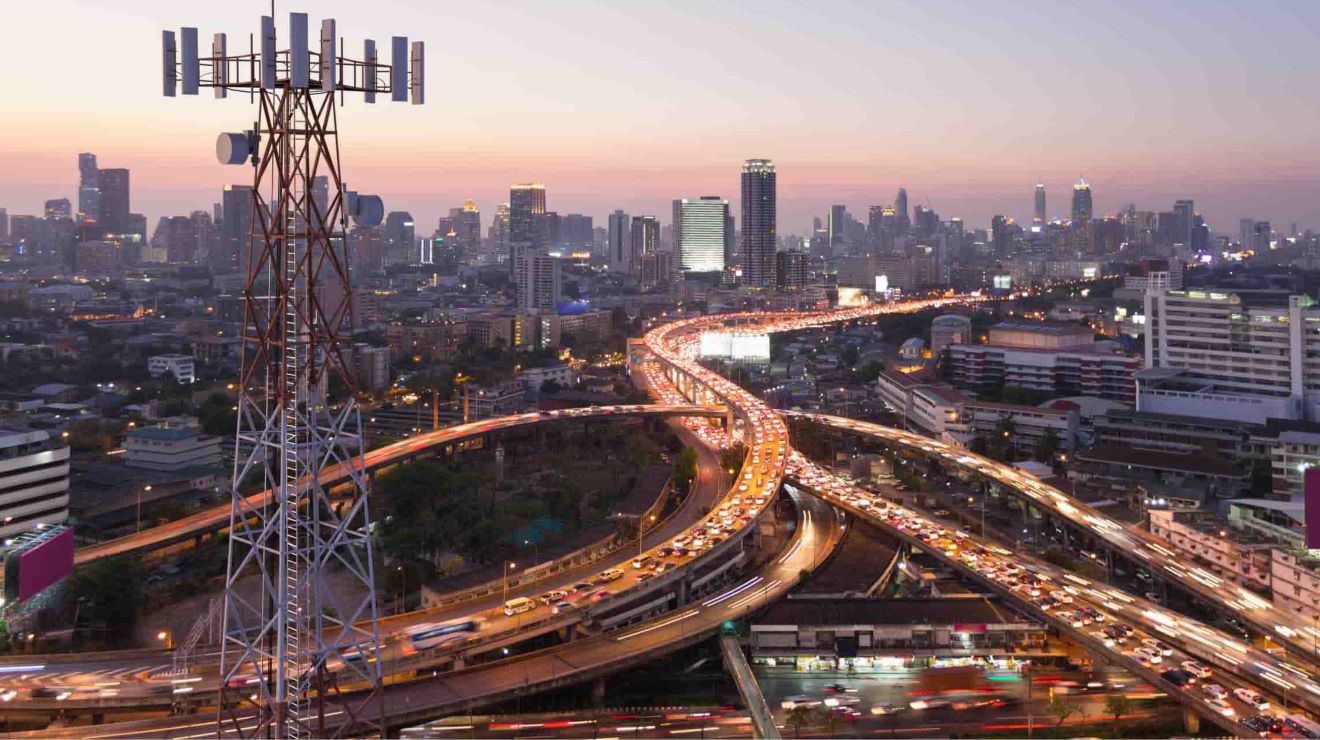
x=231, y=252
x=901, y=210
x=645, y=240
x=467, y=226
x=1081, y=203
x=89, y=188
x=59, y=208
x=699, y=230
x=499, y=231
x=400, y=238
x=758, y=223
x=526, y=204
x=838, y=229
x=1183, y=214
x=4, y=225
x=1038, y=219
x=620, y=242
x=114, y=207
x=539, y=281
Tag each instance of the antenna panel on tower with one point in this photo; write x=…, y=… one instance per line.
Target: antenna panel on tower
x=268, y=52
x=192, y=71
x=299, y=63
x=415, y=80
x=328, y=58
x=169, y=53
x=399, y=69
x=219, y=72
x=369, y=70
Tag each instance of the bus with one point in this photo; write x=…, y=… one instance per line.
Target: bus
x=434, y=635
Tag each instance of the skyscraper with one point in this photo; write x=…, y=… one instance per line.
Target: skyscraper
x=1038, y=219
x=1182, y=221
x=467, y=226
x=4, y=225
x=526, y=206
x=499, y=231
x=620, y=242
x=89, y=188
x=400, y=238
x=1246, y=232
x=1081, y=203
x=231, y=253
x=114, y=206
x=645, y=240
x=699, y=228
x=758, y=223
x=539, y=281
x=901, y=210
x=838, y=230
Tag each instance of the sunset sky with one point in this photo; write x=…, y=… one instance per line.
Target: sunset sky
x=629, y=104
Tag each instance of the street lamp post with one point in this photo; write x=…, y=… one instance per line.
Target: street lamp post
x=536, y=555
x=640, y=530
x=401, y=602
x=146, y=489
x=509, y=565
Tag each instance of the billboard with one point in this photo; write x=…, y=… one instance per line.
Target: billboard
x=43, y=561
x=716, y=344
x=1002, y=282
x=738, y=347
x=881, y=283
x=852, y=298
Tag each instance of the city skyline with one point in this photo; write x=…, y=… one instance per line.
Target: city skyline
x=948, y=123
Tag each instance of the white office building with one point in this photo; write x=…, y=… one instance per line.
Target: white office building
x=1210, y=354
x=170, y=449
x=181, y=367
x=34, y=481
x=701, y=233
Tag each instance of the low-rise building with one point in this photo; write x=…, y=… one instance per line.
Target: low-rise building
x=170, y=449
x=500, y=400
x=1060, y=359
x=1234, y=554
x=180, y=367
x=1149, y=477
x=534, y=377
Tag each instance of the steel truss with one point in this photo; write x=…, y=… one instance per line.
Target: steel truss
x=299, y=657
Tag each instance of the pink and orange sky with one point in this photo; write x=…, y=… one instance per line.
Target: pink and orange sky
x=629, y=105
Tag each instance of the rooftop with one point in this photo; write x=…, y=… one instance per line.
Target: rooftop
x=1160, y=460
x=828, y=612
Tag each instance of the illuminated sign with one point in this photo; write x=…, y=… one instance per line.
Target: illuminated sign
x=1002, y=282
x=737, y=347
x=852, y=298
x=881, y=283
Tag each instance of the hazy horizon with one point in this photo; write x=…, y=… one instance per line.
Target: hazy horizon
x=966, y=104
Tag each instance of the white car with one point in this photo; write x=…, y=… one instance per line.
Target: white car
x=1223, y=706
x=1196, y=669
x=1214, y=691
x=794, y=702
x=1252, y=699
x=1154, y=644
x=1146, y=655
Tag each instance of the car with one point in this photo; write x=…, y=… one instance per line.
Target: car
x=644, y=577
x=551, y=597
x=613, y=574
x=601, y=595
x=1214, y=691
x=800, y=700
x=583, y=586
x=1178, y=677
x=1196, y=669
x=1252, y=699
x=1146, y=655
x=1223, y=706
x=1156, y=645
x=842, y=700
x=563, y=606
x=665, y=552
x=1116, y=634
x=838, y=688
x=1259, y=724
x=1062, y=596
x=880, y=709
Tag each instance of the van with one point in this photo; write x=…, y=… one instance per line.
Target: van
x=518, y=606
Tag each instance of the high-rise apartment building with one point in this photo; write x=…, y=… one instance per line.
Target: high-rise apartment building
x=575, y=231
x=467, y=227
x=539, y=281
x=620, y=242
x=58, y=208
x=645, y=240
x=758, y=223
x=4, y=225
x=1183, y=215
x=499, y=232
x=1246, y=232
x=838, y=229
x=1213, y=353
x=1038, y=218
x=791, y=270
x=1081, y=203
x=114, y=202
x=231, y=253
x=699, y=231
x=526, y=205
x=400, y=238
x=89, y=188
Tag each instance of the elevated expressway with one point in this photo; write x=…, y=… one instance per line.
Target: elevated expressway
x=1283, y=627
x=430, y=443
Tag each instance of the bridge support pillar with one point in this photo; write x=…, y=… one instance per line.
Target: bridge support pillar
x=598, y=692
x=459, y=662
x=1191, y=722
x=684, y=591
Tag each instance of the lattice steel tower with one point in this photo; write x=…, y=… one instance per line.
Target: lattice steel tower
x=299, y=658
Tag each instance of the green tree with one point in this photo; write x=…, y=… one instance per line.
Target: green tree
x=1117, y=705
x=685, y=467
x=216, y=415
x=107, y=594
x=1063, y=709
x=800, y=716
x=1046, y=447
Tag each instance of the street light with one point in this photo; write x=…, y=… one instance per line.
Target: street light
x=641, y=529
x=165, y=637
x=146, y=489
x=507, y=567
x=536, y=556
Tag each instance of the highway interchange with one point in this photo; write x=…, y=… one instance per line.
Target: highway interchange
x=675, y=370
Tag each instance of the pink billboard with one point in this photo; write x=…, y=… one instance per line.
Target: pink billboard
x=45, y=564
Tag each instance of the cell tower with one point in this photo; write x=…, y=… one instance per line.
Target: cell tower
x=297, y=652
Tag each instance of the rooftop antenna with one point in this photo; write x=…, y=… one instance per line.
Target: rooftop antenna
x=295, y=648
